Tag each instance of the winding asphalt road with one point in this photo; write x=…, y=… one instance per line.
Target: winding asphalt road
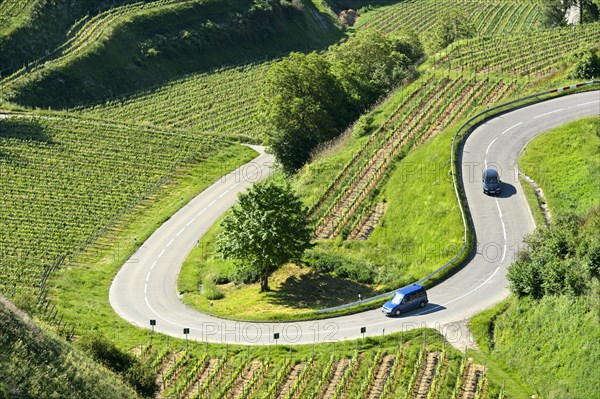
x=145, y=288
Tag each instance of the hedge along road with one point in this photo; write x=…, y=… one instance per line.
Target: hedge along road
x=145, y=288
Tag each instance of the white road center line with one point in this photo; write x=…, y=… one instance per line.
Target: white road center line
x=224, y=193
x=190, y=222
x=170, y=242
x=501, y=220
x=512, y=127
x=153, y=264
x=489, y=146
x=548, y=113
x=201, y=212
x=161, y=253
x=180, y=231
x=588, y=103
x=211, y=204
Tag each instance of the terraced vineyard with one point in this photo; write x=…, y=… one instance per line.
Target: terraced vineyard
x=85, y=35
x=407, y=370
x=487, y=17
x=527, y=54
x=64, y=181
x=462, y=84
x=223, y=102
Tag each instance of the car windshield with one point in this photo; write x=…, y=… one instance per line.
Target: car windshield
x=492, y=179
x=397, y=299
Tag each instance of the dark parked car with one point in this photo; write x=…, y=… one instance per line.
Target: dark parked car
x=491, y=181
x=406, y=299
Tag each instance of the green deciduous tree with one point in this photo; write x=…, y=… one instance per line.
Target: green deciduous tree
x=303, y=105
x=587, y=65
x=553, y=13
x=265, y=230
x=370, y=63
x=310, y=99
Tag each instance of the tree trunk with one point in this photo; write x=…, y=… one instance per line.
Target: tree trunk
x=264, y=283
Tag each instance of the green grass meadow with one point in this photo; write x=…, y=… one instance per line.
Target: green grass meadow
x=570, y=176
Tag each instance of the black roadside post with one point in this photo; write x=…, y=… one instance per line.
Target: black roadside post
x=186, y=331
x=152, y=324
x=276, y=337
x=363, y=330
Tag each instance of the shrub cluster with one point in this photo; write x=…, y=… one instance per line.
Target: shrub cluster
x=562, y=258
x=140, y=376
x=340, y=266
x=587, y=65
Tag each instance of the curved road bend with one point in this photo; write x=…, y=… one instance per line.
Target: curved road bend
x=145, y=288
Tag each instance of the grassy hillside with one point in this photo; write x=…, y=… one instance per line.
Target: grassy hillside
x=36, y=364
x=143, y=46
x=554, y=335
x=554, y=332
x=35, y=28
x=570, y=177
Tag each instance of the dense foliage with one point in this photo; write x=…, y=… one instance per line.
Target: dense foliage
x=309, y=99
x=551, y=327
x=587, y=65
x=139, y=375
x=303, y=105
x=266, y=229
x=554, y=12
x=34, y=364
x=562, y=258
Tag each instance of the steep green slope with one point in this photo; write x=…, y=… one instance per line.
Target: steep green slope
x=570, y=177
x=141, y=47
x=35, y=364
x=31, y=29
x=557, y=334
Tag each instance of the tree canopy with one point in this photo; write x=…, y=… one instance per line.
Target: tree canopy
x=303, y=105
x=265, y=230
x=309, y=99
x=369, y=65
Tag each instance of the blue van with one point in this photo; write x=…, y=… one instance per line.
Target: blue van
x=406, y=299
